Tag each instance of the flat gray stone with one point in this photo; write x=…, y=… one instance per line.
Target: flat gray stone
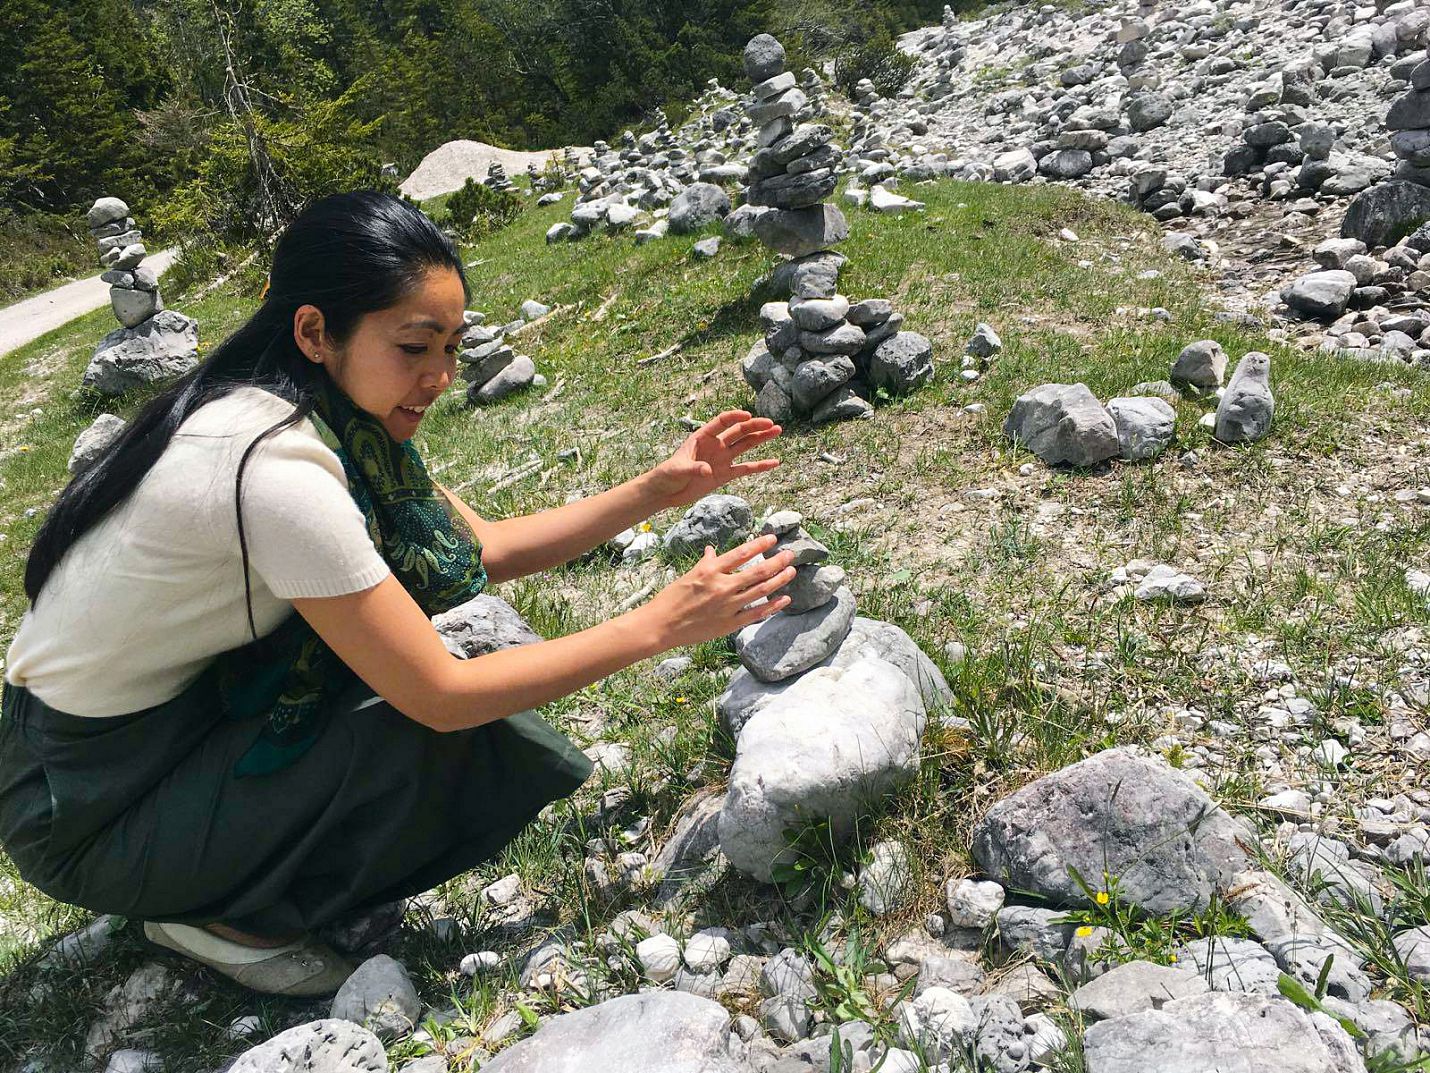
x=1324, y=295
x=812, y=587
x=652, y=1032
x=1201, y=365
x=481, y=625
x=327, y=1046
x=1233, y=965
x=783, y=645
x=516, y=375
x=1220, y=1031
x=801, y=232
x=1132, y=987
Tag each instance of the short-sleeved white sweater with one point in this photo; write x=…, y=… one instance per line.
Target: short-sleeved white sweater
x=140, y=605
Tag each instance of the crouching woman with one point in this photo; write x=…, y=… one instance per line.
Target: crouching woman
x=227, y=712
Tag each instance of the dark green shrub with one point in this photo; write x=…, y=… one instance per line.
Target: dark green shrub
x=476, y=209
x=879, y=60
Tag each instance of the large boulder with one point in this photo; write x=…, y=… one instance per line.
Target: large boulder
x=1386, y=213
x=696, y=206
x=653, y=1032
x=827, y=748
x=161, y=348
x=1168, y=845
x=1222, y=1031
x=1063, y=423
x=327, y=1046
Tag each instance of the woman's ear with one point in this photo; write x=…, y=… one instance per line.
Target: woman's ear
x=309, y=332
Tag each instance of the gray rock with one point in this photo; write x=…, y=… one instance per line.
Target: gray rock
x=937, y=1024
x=1386, y=213
x=1320, y=294
x=1200, y=365
x=1247, y=406
x=841, y=404
x=774, y=402
x=1003, y=1041
x=954, y=973
x=1233, y=965
x=1063, y=423
x=379, y=995
x=1168, y=844
x=973, y=903
x=812, y=587
x=652, y=1032
x=818, y=314
x=785, y=1019
x=788, y=973
x=516, y=375
x=161, y=348
x=1409, y=112
x=1147, y=110
x=104, y=211
x=984, y=343
x=1222, y=1031
x=706, y=248
x=1066, y=164
x=901, y=364
x=1016, y=166
x=687, y=853
x=740, y=223
x=1029, y=930
x=484, y=362
x=327, y=1046
x=531, y=309
x=801, y=232
x=867, y=638
x=483, y=624
x=886, y=882
x=698, y=205
x=133, y=307
x=1145, y=426
x=871, y=312
x=92, y=442
x=722, y=521
x=783, y=645
x=843, y=338
x=1134, y=986
x=1413, y=946
x=826, y=748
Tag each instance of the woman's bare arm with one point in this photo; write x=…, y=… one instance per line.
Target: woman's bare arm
x=391, y=645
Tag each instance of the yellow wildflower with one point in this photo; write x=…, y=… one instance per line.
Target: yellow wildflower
x=680, y=700
x=1172, y=959
x=1084, y=931
x=1102, y=898
x=24, y=448
x=646, y=527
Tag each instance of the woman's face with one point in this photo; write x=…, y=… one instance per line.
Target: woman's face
x=397, y=361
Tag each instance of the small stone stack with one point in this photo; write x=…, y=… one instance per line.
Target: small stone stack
x=492, y=368
x=813, y=88
x=819, y=614
x=152, y=344
x=496, y=178
x=794, y=168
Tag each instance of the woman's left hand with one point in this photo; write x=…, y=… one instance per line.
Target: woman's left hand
x=706, y=460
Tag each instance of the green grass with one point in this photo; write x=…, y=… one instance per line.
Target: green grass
x=1057, y=665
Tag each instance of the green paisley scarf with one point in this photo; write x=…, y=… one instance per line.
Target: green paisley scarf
x=291, y=674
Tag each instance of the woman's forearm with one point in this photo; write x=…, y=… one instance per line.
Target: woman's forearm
x=511, y=680
x=516, y=547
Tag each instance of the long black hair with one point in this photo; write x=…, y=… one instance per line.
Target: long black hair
x=349, y=255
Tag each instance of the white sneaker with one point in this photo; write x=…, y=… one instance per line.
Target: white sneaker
x=303, y=969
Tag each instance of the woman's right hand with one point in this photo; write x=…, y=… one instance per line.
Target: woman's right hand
x=712, y=599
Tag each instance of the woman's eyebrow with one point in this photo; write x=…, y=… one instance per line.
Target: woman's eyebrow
x=431, y=325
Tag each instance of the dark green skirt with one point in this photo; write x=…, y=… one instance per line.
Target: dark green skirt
x=141, y=815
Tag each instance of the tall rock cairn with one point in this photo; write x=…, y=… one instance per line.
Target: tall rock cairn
x=1385, y=213
x=151, y=344
x=1409, y=122
x=823, y=356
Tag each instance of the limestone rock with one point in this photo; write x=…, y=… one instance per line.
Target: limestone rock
x=902, y=363
x=91, y=443
x=1247, y=406
x=697, y=205
x=801, y=232
x=784, y=645
x=1063, y=423
x=1145, y=426
x=327, y=1046
x=722, y=521
x=826, y=748
x=1132, y=987
x=1200, y=365
x=1320, y=294
x=380, y=996
x=161, y=348
x=1168, y=844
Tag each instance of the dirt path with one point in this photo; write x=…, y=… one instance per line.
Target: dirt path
x=33, y=317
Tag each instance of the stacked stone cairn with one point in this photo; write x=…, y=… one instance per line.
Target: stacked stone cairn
x=489, y=364
x=823, y=357
x=152, y=344
x=497, y=180
x=814, y=90
x=827, y=710
x=1384, y=214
